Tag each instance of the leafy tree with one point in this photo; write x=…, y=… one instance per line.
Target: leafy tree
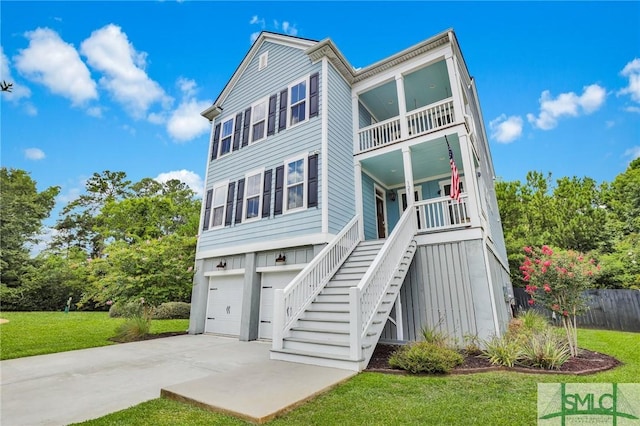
x=22, y=209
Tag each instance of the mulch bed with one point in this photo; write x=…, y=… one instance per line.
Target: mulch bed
x=587, y=362
x=152, y=336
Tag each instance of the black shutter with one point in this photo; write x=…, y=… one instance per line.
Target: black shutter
x=247, y=127
x=207, y=210
x=314, y=95
x=282, y=119
x=216, y=142
x=228, y=214
x=271, y=122
x=266, y=194
x=277, y=201
x=312, y=195
x=239, y=197
x=236, y=132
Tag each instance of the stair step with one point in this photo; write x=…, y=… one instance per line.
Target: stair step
x=332, y=298
x=310, y=315
x=323, y=325
x=316, y=335
x=329, y=306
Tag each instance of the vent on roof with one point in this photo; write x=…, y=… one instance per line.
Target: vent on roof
x=262, y=64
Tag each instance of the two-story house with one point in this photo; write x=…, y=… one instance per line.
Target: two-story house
x=328, y=221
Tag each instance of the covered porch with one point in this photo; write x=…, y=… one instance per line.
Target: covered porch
x=424, y=170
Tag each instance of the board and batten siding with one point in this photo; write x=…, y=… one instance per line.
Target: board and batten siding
x=341, y=191
x=285, y=66
x=501, y=290
x=446, y=289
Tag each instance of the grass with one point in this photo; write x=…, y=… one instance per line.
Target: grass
x=39, y=333
x=496, y=398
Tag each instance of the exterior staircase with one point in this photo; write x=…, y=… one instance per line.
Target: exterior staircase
x=322, y=334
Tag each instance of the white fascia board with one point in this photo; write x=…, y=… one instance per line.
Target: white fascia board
x=239, y=271
x=449, y=236
x=283, y=268
x=304, y=240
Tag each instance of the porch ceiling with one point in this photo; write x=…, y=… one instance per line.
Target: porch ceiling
x=427, y=160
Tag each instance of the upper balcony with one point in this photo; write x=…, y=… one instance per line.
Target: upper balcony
x=407, y=106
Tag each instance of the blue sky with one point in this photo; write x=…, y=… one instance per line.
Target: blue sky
x=119, y=85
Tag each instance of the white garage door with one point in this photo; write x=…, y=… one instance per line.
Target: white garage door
x=224, y=305
x=270, y=282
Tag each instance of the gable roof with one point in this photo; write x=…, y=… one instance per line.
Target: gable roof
x=265, y=36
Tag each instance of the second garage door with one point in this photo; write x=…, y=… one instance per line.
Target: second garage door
x=270, y=282
x=224, y=305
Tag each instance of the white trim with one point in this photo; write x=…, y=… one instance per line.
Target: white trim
x=245, y=203
x=304, y=240
x=233, y=125
x=443, y=183
x=324, y=111
x=305, y=183
x=283, y=268
x=449, y=236
x=290, y=103
x=264, y=101
x=377, y=188
x=225, y=185
x=239, y=271
x=417, y=188
x=487, y=264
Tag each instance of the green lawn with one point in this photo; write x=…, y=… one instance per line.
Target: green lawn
x=497, y=398
x=38, y=333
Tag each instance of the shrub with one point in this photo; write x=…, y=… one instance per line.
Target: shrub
x=134, y=328
x=172, y=310
x=472, y=345
x=545, y=350
x=533, y=322
x=425, y=357
x=434, y=336
x=503, y=351
x=125, y=309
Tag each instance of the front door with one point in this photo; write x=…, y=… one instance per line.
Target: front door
x=382, y=233
x=417, y=197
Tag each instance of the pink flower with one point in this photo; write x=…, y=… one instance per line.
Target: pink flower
x=109, y=302
x=565, y=313
x=555, y=307
x=547, y=288
x=547, y=263
x=531, y=302
x=527, y=250
x=544, y=269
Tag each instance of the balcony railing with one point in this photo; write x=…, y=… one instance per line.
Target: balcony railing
x=419, y=122
x=442, y=213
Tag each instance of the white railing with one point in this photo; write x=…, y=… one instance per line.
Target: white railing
x=366, y=298
x=430, y=118
x=442, y=213
x=379, y=134
x=290, y=302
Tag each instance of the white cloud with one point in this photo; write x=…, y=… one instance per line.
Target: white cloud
x=632, y=72
x=42, y=240
x=567, y=104
x=255, y=20
x=50, y=61
x=193, y=180
x=70, y=195
x=109, y=51
x=254, y=36
x=18, y=91
x=186, y=123
x=610, y=123
x=287, y=28
x=94, y=112
x=34, y=154
x=506, y=130
x=632, y=109
x=632, y=153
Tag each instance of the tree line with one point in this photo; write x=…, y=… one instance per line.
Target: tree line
x=121, y=240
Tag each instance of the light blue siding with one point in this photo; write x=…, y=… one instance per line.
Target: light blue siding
x=364, y=118
x=369, y=208
x=286, y=65
x=340, y=139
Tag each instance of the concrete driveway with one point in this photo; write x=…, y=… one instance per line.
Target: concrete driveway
x=69, y=387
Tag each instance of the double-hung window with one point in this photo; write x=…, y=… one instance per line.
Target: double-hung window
x=259, y=120
x=226, y=136
x=298, y=102
x=219, y=201
x=295, y=184
x=253, y=195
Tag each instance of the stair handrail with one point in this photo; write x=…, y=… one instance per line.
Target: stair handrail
x=365, y=298
x=289, y=303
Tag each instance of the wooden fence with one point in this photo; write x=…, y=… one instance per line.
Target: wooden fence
x=609, y=309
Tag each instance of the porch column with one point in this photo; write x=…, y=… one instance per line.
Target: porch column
x=408, y=175
x=471, y=179
x=402, y=107
x=357, y=170
x=454, y=82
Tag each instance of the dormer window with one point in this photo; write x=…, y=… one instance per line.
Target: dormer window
x=225, y=137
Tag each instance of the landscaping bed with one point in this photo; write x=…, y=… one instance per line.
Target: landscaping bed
x=587, y=362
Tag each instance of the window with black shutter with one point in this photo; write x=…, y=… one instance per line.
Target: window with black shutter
x=278, y=195
x=271, y=120
x=216, y=142
x=207, y=210
x=239, y=197
x=229, y=212
x=282, y=117
x=236, y=132
x=312, y=196
x=314, y=94
x=247, y=126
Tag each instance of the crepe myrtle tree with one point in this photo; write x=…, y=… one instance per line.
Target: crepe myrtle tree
x=556, y=280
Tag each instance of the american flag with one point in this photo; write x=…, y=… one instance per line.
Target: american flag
x=455, y=178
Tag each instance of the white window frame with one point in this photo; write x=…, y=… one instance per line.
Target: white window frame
x=263, y=61
x=225, y=188
x=443, y=183
x=305, y=183
x=233, y=126
x=264, y=101
x=291, y=105
x=245, y=202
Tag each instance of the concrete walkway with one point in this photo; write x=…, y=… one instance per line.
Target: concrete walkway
x=221, y=374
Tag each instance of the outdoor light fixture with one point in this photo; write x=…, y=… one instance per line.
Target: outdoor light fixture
x=222, y=264
x=392, y=195
x=281, y=259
